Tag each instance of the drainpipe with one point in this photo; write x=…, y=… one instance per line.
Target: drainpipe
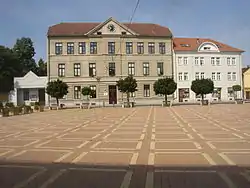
x=48, y=64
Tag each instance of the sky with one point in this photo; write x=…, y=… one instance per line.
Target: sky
x=227, y=21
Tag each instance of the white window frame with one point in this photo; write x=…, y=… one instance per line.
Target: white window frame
x=234, y=76
x=196, y=60
x=213, y=61
x=180, y=77
x=185, y=76
x=179, y=60
x=233, y=61
x=229, y=76
x=213, y=76
x=202, y=61
x=185, y=60
x=197, y=75
x=218, y=76
x=202, y=75
x=228, y=61
x=218, y=61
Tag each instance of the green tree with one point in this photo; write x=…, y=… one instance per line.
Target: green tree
x=202, y=87
x=165, y=86
x=42, y=68
x=9, y=68
x=57, y=89
x=86, y=91
x=25, y=51
x=236, y=88
x=127, y=85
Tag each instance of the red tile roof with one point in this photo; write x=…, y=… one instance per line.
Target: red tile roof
x=192, y=44
x=76, y=29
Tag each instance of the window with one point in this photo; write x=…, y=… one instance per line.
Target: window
x=112, y=69
x=234, y=76
x=58, y=48
x=82, y=48
x=146, y=90
x=140, y=47
x=93, y=93
x=218, y=76
x=77, y=69
x=61, y=70
x=93, y=47
x=160, y=68
x=202, y=75
x=77, y=92
x=213, y=61
x=196, y=61
x=229, y=76
x=201, y=61
x=185, y=76
x=228, y=61
x=197, y=75
x=185, y=60
x=180, y=76
x=233, y=61
x=111, y=47
x=230, y=92
x=213, y=75
x=145, y=69
x=207, y=48
x=70, y=48
x=217, y=61
x=162, y=48
x=179, y=60
x=26, y=95
x=92, y=69
x=151, y=47
x=129, y=47
x=131, y=68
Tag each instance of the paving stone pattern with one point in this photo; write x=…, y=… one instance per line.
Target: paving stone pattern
x=142, y=147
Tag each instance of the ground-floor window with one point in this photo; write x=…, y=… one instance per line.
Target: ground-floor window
x=217, y=93
x=146, y=90
x=93, y=93
x=26, y=95
x=77, y=92
x=230, y=92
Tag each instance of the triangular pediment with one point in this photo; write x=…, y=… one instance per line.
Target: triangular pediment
x=111, y=27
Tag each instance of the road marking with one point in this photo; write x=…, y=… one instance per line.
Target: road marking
x=142, y=136
x=53, y=178
x=134, y=158
x=126, y=180
x=238, y=135
x=197, y=145
x=152, y=145
x=96, y=136
x=151, y=159
x=187, y=171
x=153, y=137
x=83, y=144
x=63, y=157
x=227, y=180
x=209, y=159
x=17, y=154
x=96, y=144
x=150, y=180
x=211, y=145
x=139, y=145
x=4, y=153
x=79, y=157
x=229, y=161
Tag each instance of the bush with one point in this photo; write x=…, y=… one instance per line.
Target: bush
x=9, y=104
x=6, y=112
x=27, y=109
x=41, y=108
x=32, y=104
x=16, y=110
x=37, y=104
x=36, y=107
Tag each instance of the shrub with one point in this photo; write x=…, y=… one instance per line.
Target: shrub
x=6, y=112
x=16, y=110
x=36, y=107
x=32, y=104
x=9, y=104
x=37, y=104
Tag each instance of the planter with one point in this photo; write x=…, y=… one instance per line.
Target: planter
x=239, y=101
x=168, y=103
x=204, y=102
x=6, y=112
x=41, y=109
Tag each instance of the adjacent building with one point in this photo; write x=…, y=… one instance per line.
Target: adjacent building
x=197, y=58
x=99, y=54
x=246, y=82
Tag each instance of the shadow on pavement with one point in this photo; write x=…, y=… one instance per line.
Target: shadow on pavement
x=15, y=174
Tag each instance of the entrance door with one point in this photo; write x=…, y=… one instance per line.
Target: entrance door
x=247, y=94
x=181, y=95
x=41, y=94
x=112, y=94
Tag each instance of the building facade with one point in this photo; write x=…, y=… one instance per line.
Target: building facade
x=197, y=58
x=99, y=54
x=246, y=82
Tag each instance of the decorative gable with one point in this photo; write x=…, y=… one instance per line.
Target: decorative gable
x=208, y=47
x=111, y=27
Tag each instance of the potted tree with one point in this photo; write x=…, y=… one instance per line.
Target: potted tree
x=57, y=89
x=236, y=89
x=127, y=85
x=86, y=91
x=165, y=86
x=202, y=87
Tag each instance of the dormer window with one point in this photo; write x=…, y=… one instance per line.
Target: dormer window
x=185, y=45
x=99, y=33
x=207, y=48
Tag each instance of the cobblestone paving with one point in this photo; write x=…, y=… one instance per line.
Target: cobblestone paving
x=143, y=147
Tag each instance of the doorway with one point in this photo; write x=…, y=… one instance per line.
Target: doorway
x=41, y=96
x=247, y=94
x=112, y=94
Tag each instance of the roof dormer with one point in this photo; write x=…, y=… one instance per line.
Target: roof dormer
x=208, y=47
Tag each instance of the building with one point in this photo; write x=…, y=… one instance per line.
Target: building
x=196, y=58
x=29, y=88
x=246, y=82
x=98, y=54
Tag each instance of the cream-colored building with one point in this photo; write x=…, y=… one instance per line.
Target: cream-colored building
x=98, y=54
x=246, y=82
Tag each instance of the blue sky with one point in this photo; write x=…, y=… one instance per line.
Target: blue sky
x=223, y=20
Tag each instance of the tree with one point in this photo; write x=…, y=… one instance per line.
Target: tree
x=165, y=86
x=9, y=68
x=202, y=87
x=57, y=89
x=86, y=91
x=42, y=68
x=25, y=51
x=236, y=88
x=127, y=85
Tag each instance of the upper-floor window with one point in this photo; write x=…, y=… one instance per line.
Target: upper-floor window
x=202, y=75
x=201, y=61
x=92, y=69
x=129, y=47
x=111, y=47
x=185, y=60
x=131, y=68
x=160, y=68
x=140, y=47
x=196, y=61
x=93, y=91
x=180, y=77
x=112, y=69
x=197, y=75
x=146, y=90
x=229, y=61
x=185, y=76
x=77, y=92
x=179, y=60
x=218, y=76
x=77, y=69
x=233, y=61
x=151, y=47
x=93, y=47
x=217, y=61
x=213, y=75
x=162, y=48
x=58, y=48
x=82, y=48
x=234, y=76
x=231, y=76
x=61, y=70
x=70, y=48
x=146, y=69
x=213, y=61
